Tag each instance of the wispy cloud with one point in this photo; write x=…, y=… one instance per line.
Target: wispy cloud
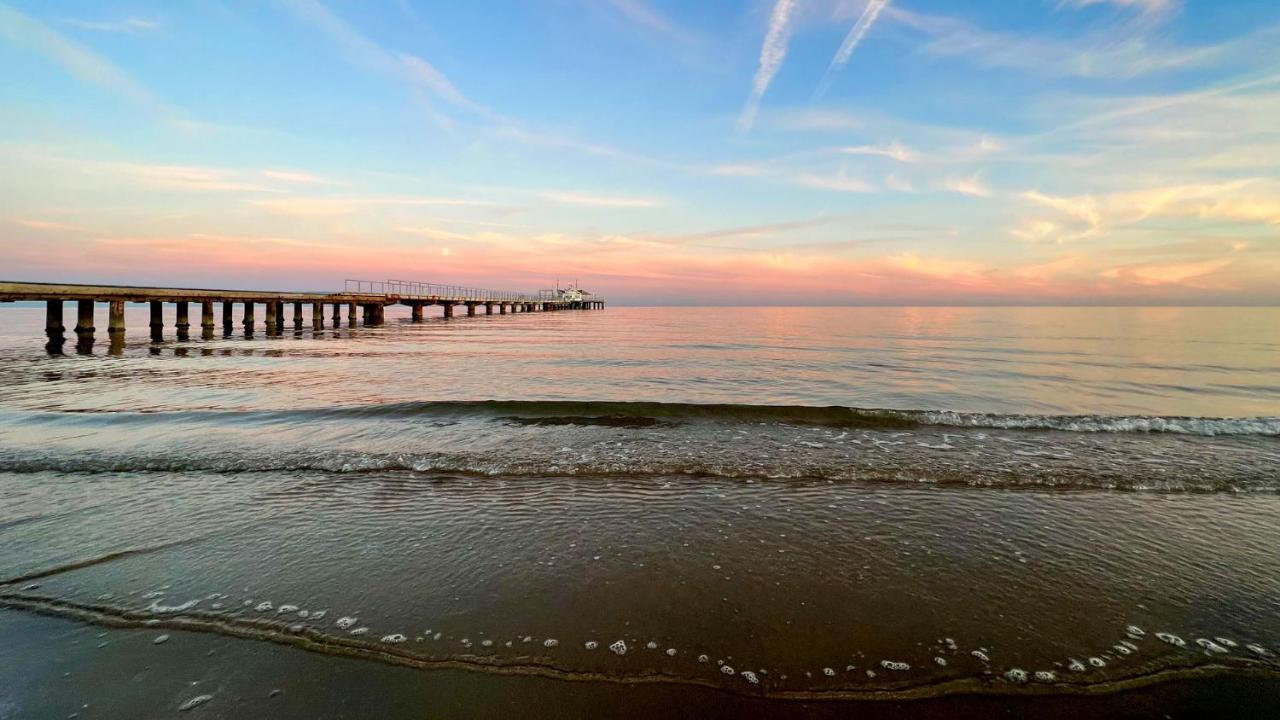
x=851, y=42
x=1114, y=52
x=972, y=186
x=1250, y=201
x=840, y=183
x=27, y=32
x=892, y=150
x=644, y=15
x=294, y=176
x=133, y=25
x=51, y=225
x=772, y=54
x=334, y=206
x=1145, y=6
x=573, y=198
x=359, y=50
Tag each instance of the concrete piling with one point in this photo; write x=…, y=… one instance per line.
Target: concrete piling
x=448, y=309
x=54, y=330
x=297, y=316
x=317, y=316
x=248, y=317
x=269, y=311
x=115, y=319
x=228, y=317
x=157, y=321
x=206, y=315
x=84, y=326
x=471, y=309
x=183, y=321
x=417, y=312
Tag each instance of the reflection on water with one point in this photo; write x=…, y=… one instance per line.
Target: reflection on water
x=1125, y=361
x=1065, y=500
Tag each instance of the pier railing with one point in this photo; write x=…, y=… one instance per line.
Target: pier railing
x=433, y=291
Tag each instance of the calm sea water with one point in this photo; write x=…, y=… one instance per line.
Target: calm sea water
x=803, y=504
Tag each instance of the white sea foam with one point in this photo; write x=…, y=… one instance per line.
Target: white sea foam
x=1076, y=666
x=160, y=639
x=894, y=665
x=1046, y=675
x=156, y=607
x=940, y=661
x=726, y=670
x=1171, y=639
x=194, y=702
x=980, y=655
x=591, y=645
x=550, y=642
x=619, y=648
x=1210, y=645
x=286, y=609
x=829, y=672
x=394, y=639
x=360, y=631
x=263, y=606
x=345, y=622
x=671, y=652
x=1097, y=662
x=750, y=677
x=1016, y=675
x=1267, y=425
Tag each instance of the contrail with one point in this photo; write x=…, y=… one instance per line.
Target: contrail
x=851, y=42
x=772, y=53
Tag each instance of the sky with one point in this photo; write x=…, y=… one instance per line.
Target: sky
x=764, y=152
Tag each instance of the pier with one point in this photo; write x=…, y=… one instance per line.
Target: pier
x=366, y=298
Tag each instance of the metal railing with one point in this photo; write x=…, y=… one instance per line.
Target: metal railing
x=434, y=291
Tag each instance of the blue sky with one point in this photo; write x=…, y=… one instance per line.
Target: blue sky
x=780, y=151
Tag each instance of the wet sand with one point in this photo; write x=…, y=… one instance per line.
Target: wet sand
x=54, y=667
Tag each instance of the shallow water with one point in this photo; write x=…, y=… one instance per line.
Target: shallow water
x=1058, y=501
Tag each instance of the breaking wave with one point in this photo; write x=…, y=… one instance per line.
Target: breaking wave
x=643, y=414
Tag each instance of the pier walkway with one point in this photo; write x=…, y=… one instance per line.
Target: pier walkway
x=371, y=297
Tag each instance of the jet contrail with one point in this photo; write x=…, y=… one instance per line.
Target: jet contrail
x=851, y=42
x=772, y=53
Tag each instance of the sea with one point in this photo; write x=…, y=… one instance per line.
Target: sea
x=646, y=512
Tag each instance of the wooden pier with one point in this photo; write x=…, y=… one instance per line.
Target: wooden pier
x=369, y=298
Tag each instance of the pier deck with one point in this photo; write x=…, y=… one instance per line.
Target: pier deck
x=371, y=297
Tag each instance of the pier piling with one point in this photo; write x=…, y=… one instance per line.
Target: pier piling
x=269, y=313
x=84, y=326
x=183, y=322
x=228, y=317
x=157, y=321
x=54, y=330
x=248, y=318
